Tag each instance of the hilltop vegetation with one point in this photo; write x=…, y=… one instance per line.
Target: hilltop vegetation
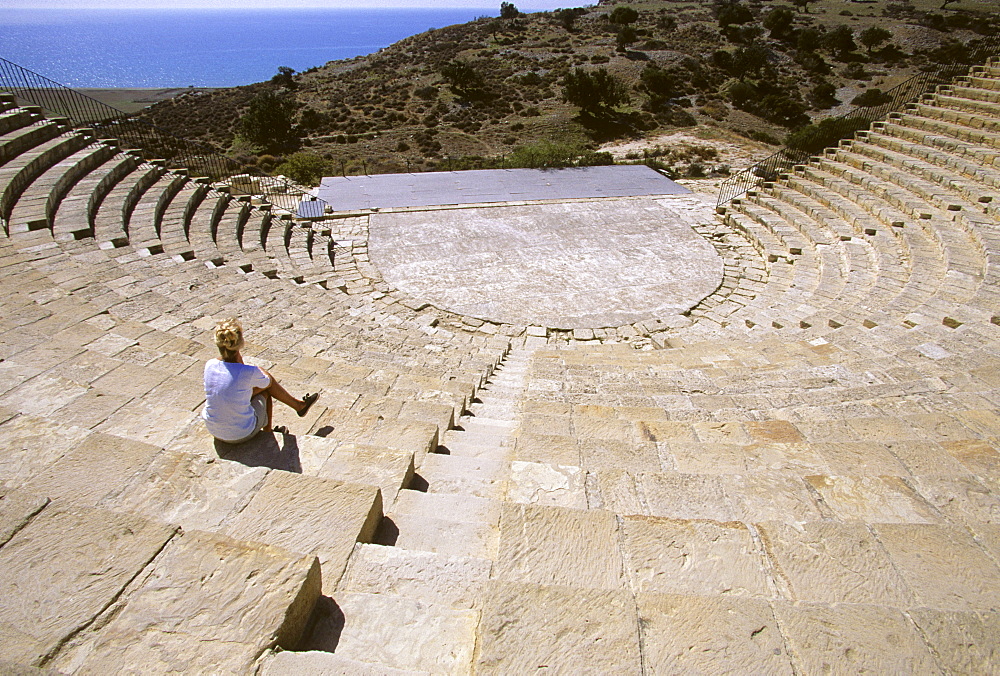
x=552, y=86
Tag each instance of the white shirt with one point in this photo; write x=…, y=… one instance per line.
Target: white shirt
x=228, y=388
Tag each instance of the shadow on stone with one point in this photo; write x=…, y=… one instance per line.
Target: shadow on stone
x=323, y=431
x=387, y=533
x=325, y=626
x=263, y=451
x=418, y=483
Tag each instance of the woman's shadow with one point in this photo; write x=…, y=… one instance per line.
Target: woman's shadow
x=263, y=451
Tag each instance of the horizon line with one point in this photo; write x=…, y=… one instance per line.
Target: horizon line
x=526, y=6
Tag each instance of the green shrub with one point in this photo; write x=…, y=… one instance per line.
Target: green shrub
x=813, y=137
x=870, y=98
x=304, y=168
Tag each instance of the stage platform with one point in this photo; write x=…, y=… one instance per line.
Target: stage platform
x=385, y=191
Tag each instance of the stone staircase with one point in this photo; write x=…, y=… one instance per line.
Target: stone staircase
x=115, y=269
x=801, y=478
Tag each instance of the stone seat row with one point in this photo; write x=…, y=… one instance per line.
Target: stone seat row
x=106, y=489
x=218, y=227
x=75, y=235
x=138, y=362
x=941, y=224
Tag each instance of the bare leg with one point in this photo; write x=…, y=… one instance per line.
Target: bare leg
x=281, y=394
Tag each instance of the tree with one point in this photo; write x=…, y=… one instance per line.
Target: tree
x=823, y=95
x=661, y=84
x=566, y=18
x=508, y=11
x=732, y=12
x=595, y=92
x=871, y=98
x=840, y=41
x=808, y=39
x=783, y=109
x=779, y=22
x=750, y=61
x=284, y=77
x=626, y=36
x=268, y=120
x=623, y=15
x=873, y=36
x=464, y=79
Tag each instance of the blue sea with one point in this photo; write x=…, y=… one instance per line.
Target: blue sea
x=202, y=48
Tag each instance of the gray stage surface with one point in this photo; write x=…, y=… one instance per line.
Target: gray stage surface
x=487, y=186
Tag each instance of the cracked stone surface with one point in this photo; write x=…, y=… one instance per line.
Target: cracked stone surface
x=574, y=265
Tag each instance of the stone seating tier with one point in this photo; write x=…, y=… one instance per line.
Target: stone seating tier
x=451, y=504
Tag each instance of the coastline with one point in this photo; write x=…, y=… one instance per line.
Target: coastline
x=134, y=99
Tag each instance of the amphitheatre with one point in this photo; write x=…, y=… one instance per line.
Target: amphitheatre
x=758, y=437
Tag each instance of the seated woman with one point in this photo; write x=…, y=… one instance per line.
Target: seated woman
x=238, y=396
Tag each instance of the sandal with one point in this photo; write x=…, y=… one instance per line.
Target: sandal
x=280, y=429
x=309, y=399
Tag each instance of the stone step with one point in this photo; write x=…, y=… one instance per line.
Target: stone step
x=38, y=204
x=14, y=118
x=124, y=585
x=976, y=93
x=441, y=535
x=480, y=477
x=19, y=172
x=950, y=123
x=397, y=632
x=453, y=581
x=979, y=106
x=454, y=506
x=112, y=213
x=22, y=139
x=321, y=663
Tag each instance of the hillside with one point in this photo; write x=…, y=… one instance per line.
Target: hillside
x=470, y=94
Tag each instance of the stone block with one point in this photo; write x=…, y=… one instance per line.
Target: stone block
x=386, y=469
x=686, y=496
x=455, y=581
x=704, y=558
x=850, y=639
x=557, y=546
x=17, y=509
x=979, y=457
x=535, y=483
x=99, y=466
x=860, y=458
x=444, y=535
x=773, y=431
x=710, y=635
x=63, y=569
x=205, y=603
x=310, y=516
x=964, y=643
x=526, y=628
x=548, y=448
x=762, y=496
x=406, y=633
x=31, y=443
x=872, y=499
x=832, y=563
x=321, y=663
x=192, y=491
x=962, y=499
x=943, y=565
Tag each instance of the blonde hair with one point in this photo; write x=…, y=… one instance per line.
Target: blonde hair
x=229, y=337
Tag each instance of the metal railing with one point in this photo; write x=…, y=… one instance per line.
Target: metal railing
x=832, y=130
x=152, y=142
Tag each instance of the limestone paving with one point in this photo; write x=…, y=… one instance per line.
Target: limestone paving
x=795, y=470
